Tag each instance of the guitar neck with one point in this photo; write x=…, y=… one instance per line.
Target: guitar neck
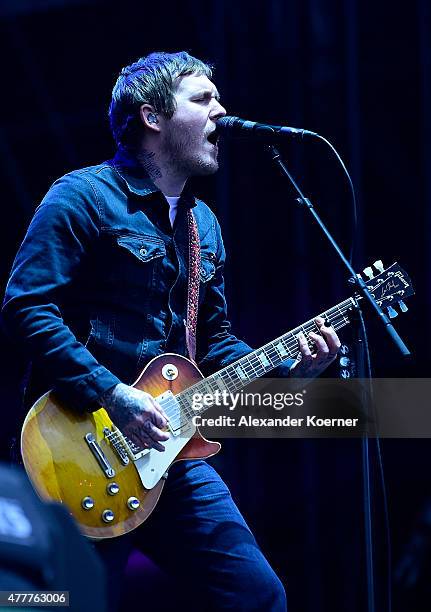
x=237, y=375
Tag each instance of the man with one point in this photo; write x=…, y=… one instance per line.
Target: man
x=99, y=287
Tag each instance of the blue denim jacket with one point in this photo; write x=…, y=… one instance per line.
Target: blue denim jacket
x=99, y=285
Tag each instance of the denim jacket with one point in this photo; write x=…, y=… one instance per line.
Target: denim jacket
x=99, y=284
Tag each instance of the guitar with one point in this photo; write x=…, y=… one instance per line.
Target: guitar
x=109, y=485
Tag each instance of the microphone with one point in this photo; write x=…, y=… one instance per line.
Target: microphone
x=235, y=126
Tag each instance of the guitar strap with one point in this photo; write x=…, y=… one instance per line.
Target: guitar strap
x=193, y=285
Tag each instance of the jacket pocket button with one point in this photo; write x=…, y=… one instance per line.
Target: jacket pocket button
x=143, y=251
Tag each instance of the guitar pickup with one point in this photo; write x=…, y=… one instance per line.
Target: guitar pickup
x=178, y=421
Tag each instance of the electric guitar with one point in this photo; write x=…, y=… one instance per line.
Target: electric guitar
x=109, y=485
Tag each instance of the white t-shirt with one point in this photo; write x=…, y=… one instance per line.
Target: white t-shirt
x=173, y=204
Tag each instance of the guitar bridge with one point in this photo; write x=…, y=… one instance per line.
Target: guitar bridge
x=117, y=445
x=125, y=448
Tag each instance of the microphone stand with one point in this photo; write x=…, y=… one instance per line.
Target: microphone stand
x=362, y=289
x=356, y=280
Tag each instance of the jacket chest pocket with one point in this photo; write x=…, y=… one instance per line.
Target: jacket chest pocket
x=207, y=270
x=140, y=259
x=144, y=248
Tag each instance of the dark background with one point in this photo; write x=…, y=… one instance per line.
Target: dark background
x=357, y=73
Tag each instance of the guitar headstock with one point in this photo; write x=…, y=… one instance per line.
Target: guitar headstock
x=389, y=287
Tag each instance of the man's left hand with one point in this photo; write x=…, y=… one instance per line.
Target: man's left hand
x=327, y=346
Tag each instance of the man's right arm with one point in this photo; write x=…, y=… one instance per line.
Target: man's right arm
x=64, y=228
x=56, y=244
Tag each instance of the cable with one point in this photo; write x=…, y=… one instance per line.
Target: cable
x=354, y=204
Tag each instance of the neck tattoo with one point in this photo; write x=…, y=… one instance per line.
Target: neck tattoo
x=146, y=158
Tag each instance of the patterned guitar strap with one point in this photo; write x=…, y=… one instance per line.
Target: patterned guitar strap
x=193, y=285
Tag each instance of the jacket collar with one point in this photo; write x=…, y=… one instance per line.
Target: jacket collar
x=137, y=180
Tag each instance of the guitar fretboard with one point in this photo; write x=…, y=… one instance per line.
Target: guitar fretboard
x=237, y=375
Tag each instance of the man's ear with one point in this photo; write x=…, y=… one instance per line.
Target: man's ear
x=149, y=117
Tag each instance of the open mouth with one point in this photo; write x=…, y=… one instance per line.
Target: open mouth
x=213, y=137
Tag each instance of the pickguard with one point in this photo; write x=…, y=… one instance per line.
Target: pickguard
x=153, y=465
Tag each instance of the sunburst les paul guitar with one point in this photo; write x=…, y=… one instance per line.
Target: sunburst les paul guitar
x=111, y=486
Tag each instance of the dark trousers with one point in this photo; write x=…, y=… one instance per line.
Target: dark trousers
x=197, y=535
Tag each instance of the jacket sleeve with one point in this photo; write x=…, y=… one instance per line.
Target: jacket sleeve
x=60, y=234
x=217, y=346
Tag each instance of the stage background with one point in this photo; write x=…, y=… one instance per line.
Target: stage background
x=357, y=73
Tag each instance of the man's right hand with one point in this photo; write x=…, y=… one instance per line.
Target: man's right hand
x=138, y=416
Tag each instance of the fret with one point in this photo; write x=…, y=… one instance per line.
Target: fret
x=219, y=382
x=258, y=367
x=231, y=377
x=281, y=350
x=240, y=372
x=288, y=338
x=302, y=329
x=253, y=364
x=250, y=366
x=206, y=387
x=263, y=359
x=232, y=382
x=340, y=312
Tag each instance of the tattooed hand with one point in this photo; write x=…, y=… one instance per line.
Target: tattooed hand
x=137, y=415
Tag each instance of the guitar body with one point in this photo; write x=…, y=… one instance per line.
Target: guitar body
x=62, y=466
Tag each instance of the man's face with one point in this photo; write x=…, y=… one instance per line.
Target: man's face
x=185, y=141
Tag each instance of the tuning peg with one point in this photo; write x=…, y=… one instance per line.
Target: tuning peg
x=379, y=265
x=403, y=306
x=369, y=272
x=392, y=312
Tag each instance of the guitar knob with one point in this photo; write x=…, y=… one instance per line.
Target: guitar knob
x=112, y=488
x=133, y=503
x=379, y=265
x=108, y=516
x=87, y=503
x=170, y=371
